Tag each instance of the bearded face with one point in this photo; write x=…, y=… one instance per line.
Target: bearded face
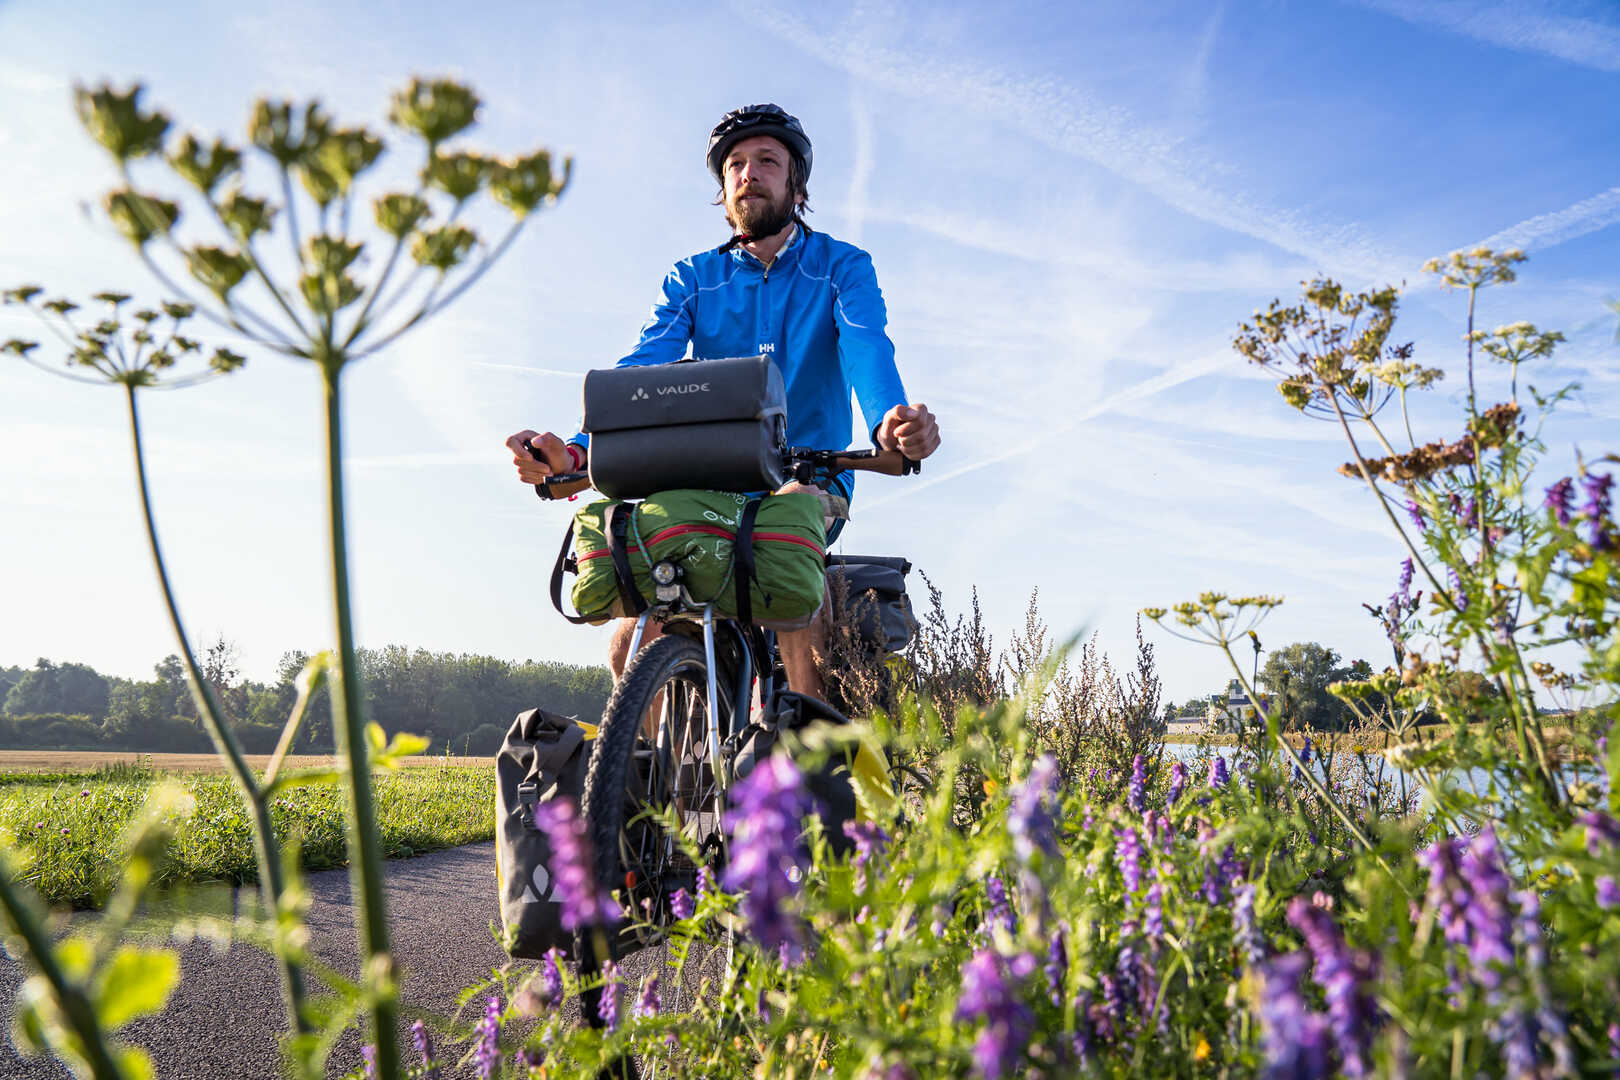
x=759, y=199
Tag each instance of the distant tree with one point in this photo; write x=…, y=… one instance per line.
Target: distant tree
x=221, y=667
x=70, y=689
x=1296, y=677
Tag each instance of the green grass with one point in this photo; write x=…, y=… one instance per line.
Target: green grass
x=64, y=830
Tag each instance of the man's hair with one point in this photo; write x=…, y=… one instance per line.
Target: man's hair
x=798, y=184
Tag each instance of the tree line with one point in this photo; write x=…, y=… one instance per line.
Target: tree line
x=461, y=702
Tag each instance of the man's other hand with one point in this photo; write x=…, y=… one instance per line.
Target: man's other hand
x=910, y=429
x=554, y=459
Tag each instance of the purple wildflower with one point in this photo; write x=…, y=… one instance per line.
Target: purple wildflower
x=1029, y=815
x=368, y=1061
x=530, y=1058
x=584, y=902
x=1153, y=916
x=1614, y=1041
x=1343, y=974
x=767, y=848
x=1608, y=893
x=1178, y=780
x=1293, y=1039
x=1601, y=831
x=1458, y=595
x=1414, y=512
x=1081, y=1042
x=681, y=904
x=1128, y=851
x=1001, y=912
x=1596, y=488
x=1250, y=942
x=870, y=840
x=705, y=881
x=1136, y=797
x=1470, y=514
x=1218, y=776
x=988, y=994
x=488, y=1054
x=551, y=985
x=424, y=1046
x=650, y=1004
x=1167, y=836
x=1489, y=913
x=1230, y=869
x=1057, y=966
x=607, y=1008
x=1558, y=499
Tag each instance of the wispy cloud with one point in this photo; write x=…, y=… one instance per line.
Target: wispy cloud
x=1521, y=27
x=860, y=173
x=1195, y=81
x=1557, y=226
x=1058, y=115
x=1175, y=376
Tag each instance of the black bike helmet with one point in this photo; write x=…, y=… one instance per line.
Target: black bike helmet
x=751, y=120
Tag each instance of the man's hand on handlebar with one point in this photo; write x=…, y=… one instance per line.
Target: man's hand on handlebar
x=551, y=459
x=910, y=429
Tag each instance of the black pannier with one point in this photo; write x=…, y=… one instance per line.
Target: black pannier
x=717, y=424
x=871, y=590
x=544, y=757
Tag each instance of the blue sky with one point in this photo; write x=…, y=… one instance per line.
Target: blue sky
x=1069, y=211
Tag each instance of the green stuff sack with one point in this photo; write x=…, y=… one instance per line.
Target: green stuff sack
x=697, y=531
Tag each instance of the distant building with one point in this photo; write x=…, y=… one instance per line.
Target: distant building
x=1236, y=709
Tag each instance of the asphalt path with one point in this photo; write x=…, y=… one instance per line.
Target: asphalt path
x=226, y=1014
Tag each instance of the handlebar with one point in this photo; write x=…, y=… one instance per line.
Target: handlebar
x=802, y=463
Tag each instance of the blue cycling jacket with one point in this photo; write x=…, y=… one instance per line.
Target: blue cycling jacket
x=818, y=312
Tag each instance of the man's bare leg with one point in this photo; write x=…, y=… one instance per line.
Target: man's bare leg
x=624, y=631
x=799, y=650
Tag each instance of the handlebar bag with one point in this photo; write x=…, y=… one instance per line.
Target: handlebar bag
x=616, y=544
x=718, y=424
x=868, y=594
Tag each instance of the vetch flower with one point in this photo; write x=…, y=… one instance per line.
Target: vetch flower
x=681, y=904
x=1608, y=893
x=1250, y=942
x=870, y=840
x=1029, y=814
x=1001, y=912
x=1415, y=513
x=1458, y=596
x=1128, y=852
x=1601, y=831
x=607, y=1008
x=1343, y=974
x=584, y=903
x=488, y=1055
x=1153, y=915
x=1136, y=797
x=649, y=1004
x=1559, y=497
x=768, y=854
x=1596, y=511
x=424, y=1047
x=1218, y=776
x=1293, y=1039
x=989, y=994
x=1057, y=966
x=1178, y=780
x=368, y=1061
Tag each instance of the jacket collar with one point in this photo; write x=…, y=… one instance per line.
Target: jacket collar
x=785, y=257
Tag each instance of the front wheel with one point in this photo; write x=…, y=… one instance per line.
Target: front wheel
x=653, y=757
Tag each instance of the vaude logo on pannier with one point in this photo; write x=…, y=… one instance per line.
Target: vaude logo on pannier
x=682, y=388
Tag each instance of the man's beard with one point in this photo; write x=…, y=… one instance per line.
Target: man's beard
x=761, y=217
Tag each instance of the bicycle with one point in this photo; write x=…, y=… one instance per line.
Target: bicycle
x=668, y=739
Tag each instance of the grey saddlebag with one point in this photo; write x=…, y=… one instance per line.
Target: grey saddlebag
x=715, y=424
x=544, y=757
x=870, y=591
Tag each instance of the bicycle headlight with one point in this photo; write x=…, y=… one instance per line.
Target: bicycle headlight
x=664, y=573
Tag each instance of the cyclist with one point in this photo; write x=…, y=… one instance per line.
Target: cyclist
x=777, y=288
